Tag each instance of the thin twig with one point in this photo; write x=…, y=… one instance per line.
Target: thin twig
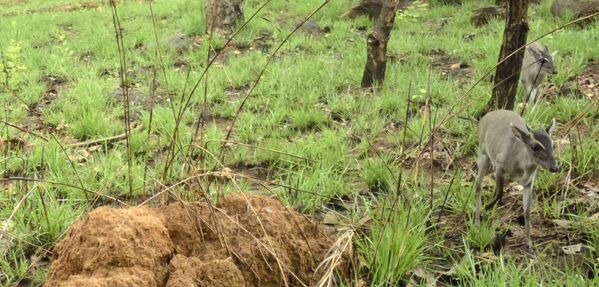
x=106, y=140
x=118, y=30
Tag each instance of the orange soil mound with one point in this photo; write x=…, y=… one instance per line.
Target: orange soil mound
x=245, y=241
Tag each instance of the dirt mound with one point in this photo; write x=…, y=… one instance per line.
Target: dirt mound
x=243, y=240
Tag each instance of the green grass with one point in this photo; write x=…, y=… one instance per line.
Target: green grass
x=307, y=123
x=395, y=244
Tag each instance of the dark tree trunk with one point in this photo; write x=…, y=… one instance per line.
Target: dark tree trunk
x=222, y=16
x=376, y=59
x=507, y=73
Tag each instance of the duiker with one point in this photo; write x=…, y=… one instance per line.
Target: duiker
x=537, y=63
x=513, y=150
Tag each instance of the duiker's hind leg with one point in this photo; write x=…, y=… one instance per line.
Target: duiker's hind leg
x=498, y=195
x=483, y=169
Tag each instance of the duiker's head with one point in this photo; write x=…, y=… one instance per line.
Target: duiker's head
x=545, y=58
x=539, y=144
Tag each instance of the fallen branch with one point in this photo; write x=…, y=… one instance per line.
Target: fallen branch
x=107, y=140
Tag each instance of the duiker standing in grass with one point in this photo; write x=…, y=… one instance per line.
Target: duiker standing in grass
x=513, y=150
x=538, y=62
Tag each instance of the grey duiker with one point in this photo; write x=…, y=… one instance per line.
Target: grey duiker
x=514, y=151
x=538, y=62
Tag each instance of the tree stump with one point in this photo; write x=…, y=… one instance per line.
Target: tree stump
x=507, y=73
x=222, y=16
x=376, y=58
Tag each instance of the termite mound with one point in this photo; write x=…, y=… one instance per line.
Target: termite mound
x=243, y=240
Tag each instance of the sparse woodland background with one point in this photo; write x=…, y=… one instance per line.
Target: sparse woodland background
x=146, y=103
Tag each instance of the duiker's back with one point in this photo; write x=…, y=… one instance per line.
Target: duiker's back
x=495, y=127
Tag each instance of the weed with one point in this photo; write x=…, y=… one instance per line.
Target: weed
x=395, y=243
x=481, y=236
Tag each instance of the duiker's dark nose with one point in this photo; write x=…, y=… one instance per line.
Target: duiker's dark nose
x=554, y=169
x=554, y=72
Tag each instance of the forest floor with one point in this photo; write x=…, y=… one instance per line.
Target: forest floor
x=304, y=157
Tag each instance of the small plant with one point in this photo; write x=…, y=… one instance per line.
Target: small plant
x=376, y=175
x=492, y=270
x=51, y=219
x=13, y=266
x=307, y=119
x=583, y=155
x=481, y=236
x=413, y=12
x=395, y=244
x=11, y=67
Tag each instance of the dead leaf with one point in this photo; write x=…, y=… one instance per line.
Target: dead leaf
x=331, y=218
x=456, y=66
x=591, y=194
x=364, y=223
x=572, y=249
x=61, y=126
x=591, y=187
x=424, y=275
x=562, y=223
x=488, y=256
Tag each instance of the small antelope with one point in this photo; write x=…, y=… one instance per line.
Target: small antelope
x=515, y=151
x=537, y=63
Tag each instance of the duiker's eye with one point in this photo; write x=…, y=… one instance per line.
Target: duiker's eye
x=537, y=147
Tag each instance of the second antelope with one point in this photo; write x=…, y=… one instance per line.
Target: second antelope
x=538, y=62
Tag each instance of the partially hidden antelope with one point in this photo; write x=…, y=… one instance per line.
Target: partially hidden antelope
x=511, y=149
x=538, y=62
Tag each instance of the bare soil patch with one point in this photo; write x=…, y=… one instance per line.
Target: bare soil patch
x=451, y=67
x=588, y=81
x=244, y=240
x=54, y=86
x=13, y=3
x=58, y=8
x=584, y=85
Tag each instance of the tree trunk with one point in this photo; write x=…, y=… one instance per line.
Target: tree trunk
x=507, y=73
x=222, y=16
x=376, y=59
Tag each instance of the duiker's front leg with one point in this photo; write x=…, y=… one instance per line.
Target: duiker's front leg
x=527, y=91
x=526, y=202
x=533, y=96
x=498, y=195
x=483, y=168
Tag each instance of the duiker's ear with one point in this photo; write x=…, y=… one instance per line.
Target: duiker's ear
x=523, y=136
x=534, y=52
x=549, y=129
x=530, y=130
